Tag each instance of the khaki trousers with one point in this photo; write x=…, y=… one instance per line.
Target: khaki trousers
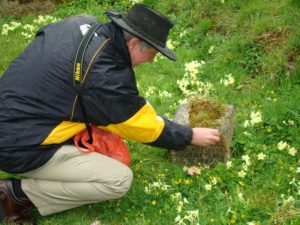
x=71, y=179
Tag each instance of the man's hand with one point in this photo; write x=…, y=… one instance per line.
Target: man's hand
x=205, y=136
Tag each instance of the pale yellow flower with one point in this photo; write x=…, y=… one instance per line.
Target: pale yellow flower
x=261, y=156
x=229, y=164
x=246, y=123
x=282, y=145
x=256, y=117
x=214, y=181
x=242, y=174
x=246, y=158
x=292, y=151
x=211, y=48
x=208, y=187
x=170, y=44
x=192, y=215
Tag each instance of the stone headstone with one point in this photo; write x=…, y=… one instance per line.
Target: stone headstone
x=210, y=155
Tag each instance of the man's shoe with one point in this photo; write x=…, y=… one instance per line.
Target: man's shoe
x=13, y=211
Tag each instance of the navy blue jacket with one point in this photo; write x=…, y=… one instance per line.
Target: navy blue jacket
x=39, y=109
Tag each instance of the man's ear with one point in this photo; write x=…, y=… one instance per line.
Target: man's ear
x=132, y=43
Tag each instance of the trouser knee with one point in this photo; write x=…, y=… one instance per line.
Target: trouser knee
x=123, y=183
x=118, y=185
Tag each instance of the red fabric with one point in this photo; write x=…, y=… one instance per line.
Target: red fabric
x=104, y=142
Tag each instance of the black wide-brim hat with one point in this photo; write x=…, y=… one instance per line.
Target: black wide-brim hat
x=147, y=24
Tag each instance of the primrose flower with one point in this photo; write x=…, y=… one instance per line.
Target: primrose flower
x=252, y=223
x=298, y=170
x=229, y=164
x=180, y=206
x=255, y=117
x=192, y=215
x=182, y=33
x=246, y=158
x=97, y=222
x=176, y=197
x=211, y=48
x=246, y=123
x=136, y=1
x=163, y=94
x=170, y=44
x=208, y=187
x=44, y=19
x=29, y=27
x=282, y=145
x=289, y=200
x=261, y=156
x=192, y=67
x=179, y=220
x=10, y=27
x=229, y=79
x=292, y=151
x=150, y=91
x=214, y=181
x=26, y=35
x=242, y=174
x=240, y=196
x=156, y=186
x=158, y=57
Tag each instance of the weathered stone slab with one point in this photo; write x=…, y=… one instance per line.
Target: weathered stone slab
x=206, y=155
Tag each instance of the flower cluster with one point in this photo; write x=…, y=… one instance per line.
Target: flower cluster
x=192, y=170
x=45, y=19
x=228, y=164
x=246, y=164
x=171, y=44
x=212, y=184
x=261, y=156
x=6, y=28
x=151, y=91
x=255, y=118
x=177, y=198
x=155, y=187
x=229, y=80
x=284, y=145
x=164, y=94
x=28, y=30
x=191, y=216
x=287, y=200
x=211, y=49
x=136, y=1
x=190, y=84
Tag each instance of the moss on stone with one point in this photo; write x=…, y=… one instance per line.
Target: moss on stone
x=205, y=112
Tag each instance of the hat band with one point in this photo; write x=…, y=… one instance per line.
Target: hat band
x=142, y=33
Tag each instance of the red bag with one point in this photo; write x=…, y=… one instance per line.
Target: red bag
x=104, y=142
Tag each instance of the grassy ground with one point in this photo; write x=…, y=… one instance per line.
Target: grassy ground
x=245, y=53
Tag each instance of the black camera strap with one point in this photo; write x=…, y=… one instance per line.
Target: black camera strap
x=78, y=77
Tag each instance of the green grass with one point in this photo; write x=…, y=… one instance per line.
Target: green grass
x=257, y=42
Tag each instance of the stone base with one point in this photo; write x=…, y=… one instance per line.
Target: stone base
x=220, y=152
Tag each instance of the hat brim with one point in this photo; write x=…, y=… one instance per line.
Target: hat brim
x=117, y=18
